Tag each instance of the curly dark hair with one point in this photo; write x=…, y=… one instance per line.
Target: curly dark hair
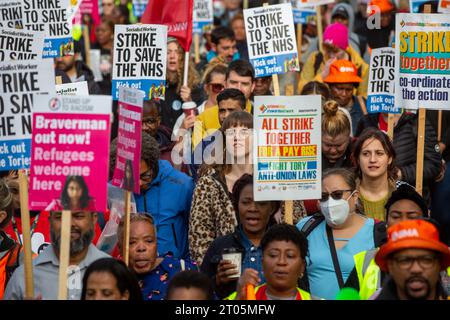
x=239, y=185
x=84, y=200
x=288, y=233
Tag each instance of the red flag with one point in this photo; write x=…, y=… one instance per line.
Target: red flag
x=175, y=14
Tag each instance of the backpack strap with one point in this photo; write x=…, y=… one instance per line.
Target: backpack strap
x=312, y=223
x=379, y=233
x=362, y=103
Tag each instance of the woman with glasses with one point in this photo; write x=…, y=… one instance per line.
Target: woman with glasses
x=212, y=211
x=335, y=235
x=213, y=83
x=154, y=269
x=255, y=217
x=374, y=156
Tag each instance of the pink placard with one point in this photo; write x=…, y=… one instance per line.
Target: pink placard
x=128, y=157
x=70, y=153
x=89, y=7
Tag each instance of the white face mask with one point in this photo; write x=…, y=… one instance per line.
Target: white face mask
x=335, y=212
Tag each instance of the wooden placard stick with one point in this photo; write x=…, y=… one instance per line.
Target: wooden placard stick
x=391, y=126
x=319, y=28
x=186, y=69
x=245, y=4
x=25, y=217
x=87, y=45
x=439, y=133
x=421, y=137
x=58, y=80
x=126, y=236
x=64, y=253
x=299, y=50
x=197, y=47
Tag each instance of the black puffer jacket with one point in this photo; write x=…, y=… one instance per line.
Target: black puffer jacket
x=405, y=145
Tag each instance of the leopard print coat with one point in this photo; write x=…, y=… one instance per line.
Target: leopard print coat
x=212, y=215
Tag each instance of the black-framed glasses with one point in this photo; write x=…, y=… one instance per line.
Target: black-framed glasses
x=147, y=175
x=336, y=195
x=425, y=262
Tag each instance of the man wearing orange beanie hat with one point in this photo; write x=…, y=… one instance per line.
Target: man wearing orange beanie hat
x=413, y=256
x=342, y=80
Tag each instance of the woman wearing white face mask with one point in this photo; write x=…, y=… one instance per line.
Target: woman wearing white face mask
x=336, y=234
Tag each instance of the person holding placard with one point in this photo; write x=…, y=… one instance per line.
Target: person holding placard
x=374, y=156
x=159, y=182
x=330, y=257
x=255, y=217
x=212, y=211
x=335, y=47
x=10, y=249
x=154, y=271
x=343, y=80
x=46, y=265
x=405, y=145
x=176, y=92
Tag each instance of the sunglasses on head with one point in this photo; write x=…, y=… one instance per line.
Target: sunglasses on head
x=336, y=195
x=217, y=87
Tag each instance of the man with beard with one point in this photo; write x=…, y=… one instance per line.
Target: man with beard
x=413, y=257
x=77, y=70
x=46, y=265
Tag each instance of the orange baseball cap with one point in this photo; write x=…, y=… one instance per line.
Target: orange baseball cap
x=384, y=5
x=342, y=71
x=410, y=234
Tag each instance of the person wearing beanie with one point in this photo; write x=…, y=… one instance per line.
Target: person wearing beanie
x=404, y=204
x=335, y=47
x=342, y=80
x=414, y=257
x=382, y=36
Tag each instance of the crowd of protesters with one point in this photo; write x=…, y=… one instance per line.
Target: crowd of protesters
x=370, y=230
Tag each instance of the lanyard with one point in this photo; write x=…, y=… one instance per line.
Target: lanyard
x=33, y=226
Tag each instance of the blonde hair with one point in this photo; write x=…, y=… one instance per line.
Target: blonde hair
x=334, y=120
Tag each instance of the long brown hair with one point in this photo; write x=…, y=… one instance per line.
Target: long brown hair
x=374, y=133
x=177, y=78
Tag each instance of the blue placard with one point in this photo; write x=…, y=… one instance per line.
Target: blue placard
x=268, y=66
x=15, y=154
x=381, y=103
x=154, y=89
x=303, y=16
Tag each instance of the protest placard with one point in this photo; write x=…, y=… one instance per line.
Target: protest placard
x=51, y=17
x=19, y=84
x=381, y=82
x=203, y=16
x=89, y=8
x=70, y=147
x=422, y=61
x=416, y=6
x=139, y=7
x=18, y=44
x=140, y=56
x=128, y=156
x=287, y=148
x=444, y=6
x=271, y=39
x=73, y=89
x=303, y=16
x=312, y=3
x=11, y=14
